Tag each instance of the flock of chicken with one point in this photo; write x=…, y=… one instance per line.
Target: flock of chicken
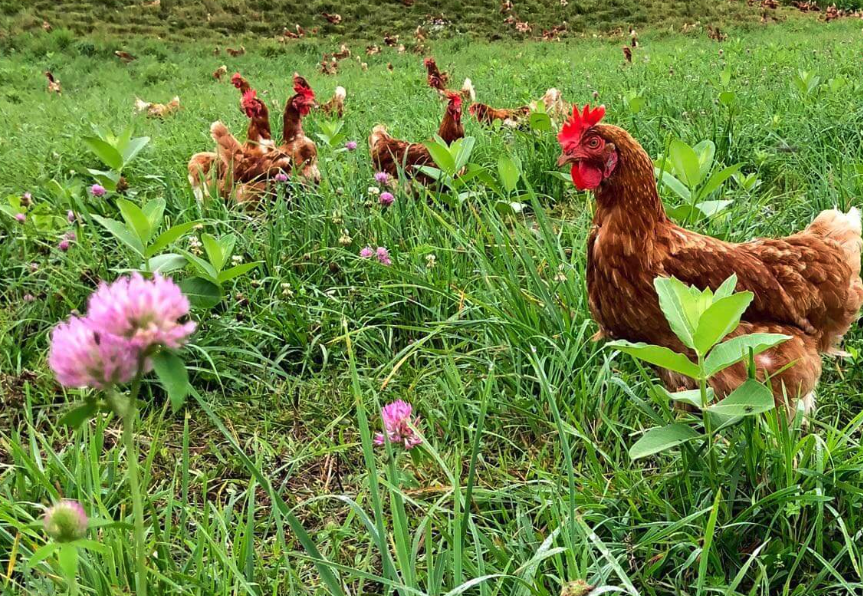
x=249, y=170
x=806, y=286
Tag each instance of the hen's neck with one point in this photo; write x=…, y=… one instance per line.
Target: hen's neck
x=629, y=197
x=293, y=122
x=451, y=128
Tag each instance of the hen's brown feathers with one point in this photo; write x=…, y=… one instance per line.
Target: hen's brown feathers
x=487, y=114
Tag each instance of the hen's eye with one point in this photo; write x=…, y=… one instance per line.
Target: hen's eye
x=593, y=143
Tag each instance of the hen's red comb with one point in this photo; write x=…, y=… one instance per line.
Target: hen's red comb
x=301, y=86
x=249, y=97
x=454, y=98
x=579, y=123
x=236, y=79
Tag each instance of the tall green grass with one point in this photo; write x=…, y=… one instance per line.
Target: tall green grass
x=269, y=483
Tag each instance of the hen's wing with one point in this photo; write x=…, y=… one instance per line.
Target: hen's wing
x=809, y=280
x=390, y=154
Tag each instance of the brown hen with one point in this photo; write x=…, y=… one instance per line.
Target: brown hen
x=806, y=286
x=390, y=154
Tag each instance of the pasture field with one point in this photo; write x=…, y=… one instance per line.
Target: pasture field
x=267, y=482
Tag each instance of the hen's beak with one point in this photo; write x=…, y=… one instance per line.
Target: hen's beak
x=565, y=159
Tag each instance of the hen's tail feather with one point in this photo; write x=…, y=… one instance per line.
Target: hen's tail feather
x=846, y=229
x=467, y=90
x=227, y=146
x=379, y=133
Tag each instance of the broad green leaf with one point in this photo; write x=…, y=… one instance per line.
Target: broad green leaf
x=566, y=177
x=711, y=208
x=691, y=397
x=736, y=349
x=154, y=210
x=727, y=98
x=136, y=219
x=166, y=263
x=442, y=157
x=721, y=318
x=672, y=295
x=215, y=252
x=201, y=292
x=716, y=180
x=461, y=151
x=658, y=356
x=173, y=376
x=705, y=150
x=227, y=243
x=508, y=172
x=726, y=289
x=67, y=556
x=107, y=179
x=236, y=271
x=42, y=553
x=661, y=439
x=119, y=230
x=107, y=153
x=132, y=149
x=540, y=122
x=750, y=399
x=79, y=415
x=686, y=163
x=168, y=236
x=203, y=267
x=433, y=173
x=681, y=212
x=673, y=183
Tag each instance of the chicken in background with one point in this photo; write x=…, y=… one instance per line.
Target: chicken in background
x=334, y=19
x=125, y=57
x=389, y=154
x=554, y=105
x=627, y=54
x=216, y=51
x=372, y=50
x=242, y=85
x=343, y=53
x=233, y=170
x=633, y=37
x=220, y=72
x=46, y=27
x=391, y=40
x=716, y=34
x=301, y=149
x=485, y=114
x=235, y=166
x=336, y=104
x=53, y=83
x=436, y=79
x=806, y=286
x=157, y=110
x=234, y=53
x=328, y=66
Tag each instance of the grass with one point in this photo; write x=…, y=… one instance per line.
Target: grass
x=255, y=19
x=524, y=482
